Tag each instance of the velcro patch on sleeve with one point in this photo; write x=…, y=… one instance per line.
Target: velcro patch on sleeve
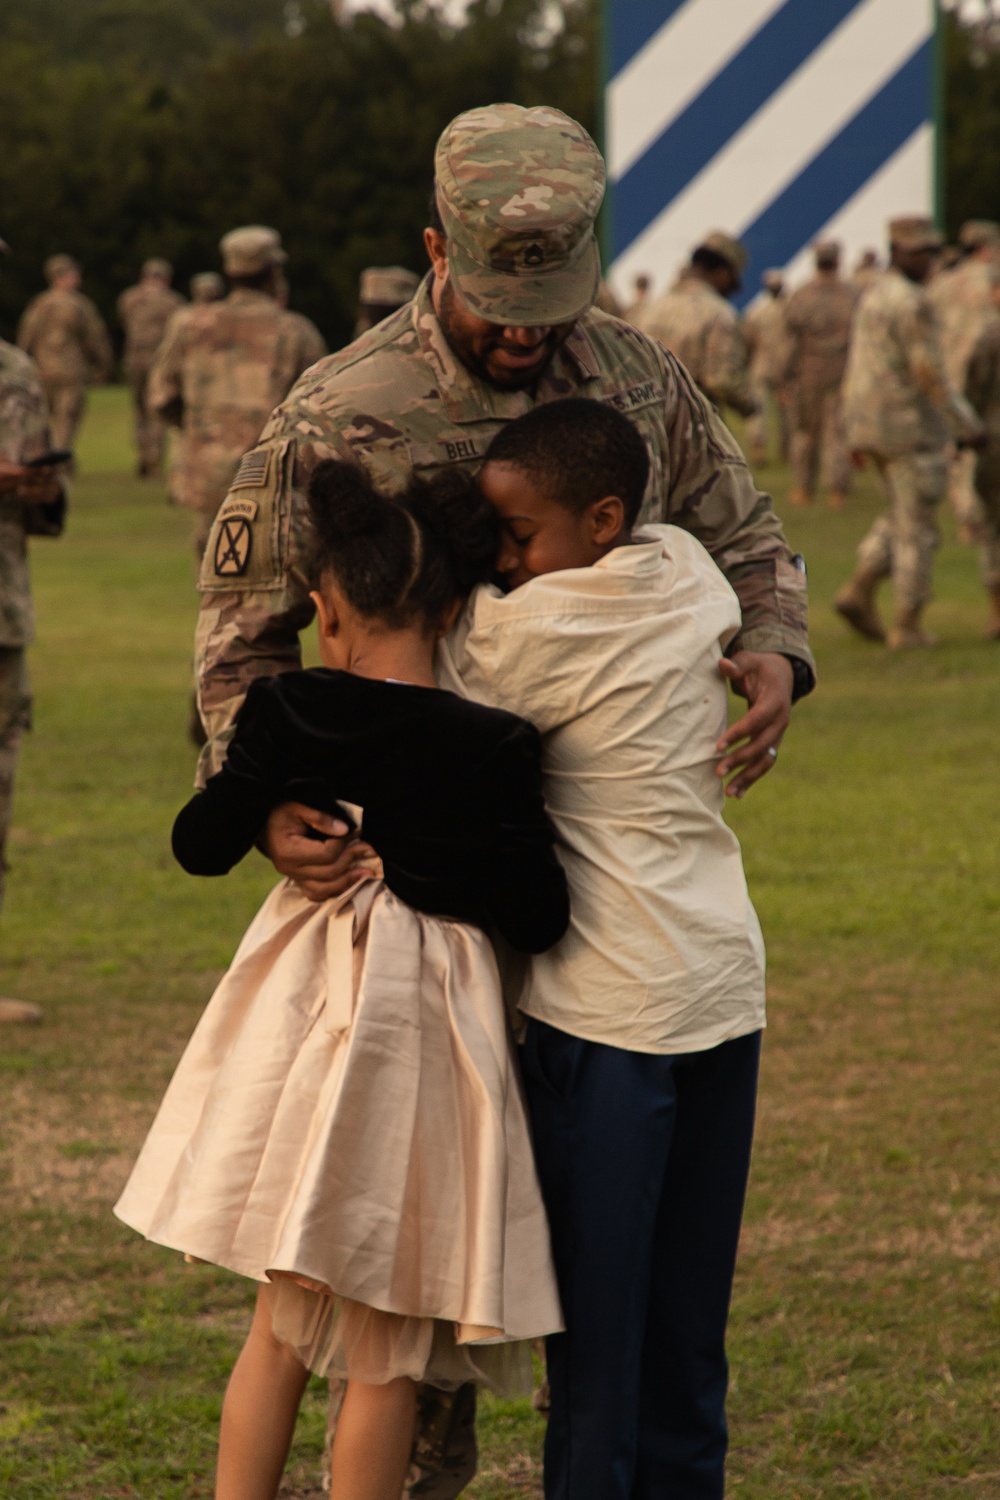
x=253, y=469
x=248, y=543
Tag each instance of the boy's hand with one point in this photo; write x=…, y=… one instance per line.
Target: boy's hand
x=320, y=870
x=766, y=680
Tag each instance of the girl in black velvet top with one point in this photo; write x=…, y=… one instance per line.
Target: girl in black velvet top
x=346, y=1125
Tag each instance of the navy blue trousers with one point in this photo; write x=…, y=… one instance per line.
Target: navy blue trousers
x=643, y=1162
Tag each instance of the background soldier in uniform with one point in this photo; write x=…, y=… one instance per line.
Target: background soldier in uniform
x=767, y=342
x=982, y=387
x=66, y=336
x=224, y=366
x=963, y=300
x=818, y=318
x=503, y=322
x=642, y=285
x=207, y=286
x=145, y=310
x=696, y=323
x=866, y=270
x=900, y=408
x=381, y=289
x=32, y=503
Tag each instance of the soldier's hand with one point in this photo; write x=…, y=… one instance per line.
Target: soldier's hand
x=319, y=869
x=39, y=485
x=750, y=746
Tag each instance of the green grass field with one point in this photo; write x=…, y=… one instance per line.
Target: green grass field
x=866, y=1320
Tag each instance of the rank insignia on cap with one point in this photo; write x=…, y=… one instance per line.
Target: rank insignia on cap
x=534, y=255
x=232, y=547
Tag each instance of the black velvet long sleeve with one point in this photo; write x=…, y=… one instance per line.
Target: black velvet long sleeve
x=451, y=792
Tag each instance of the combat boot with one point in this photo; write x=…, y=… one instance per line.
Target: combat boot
x=908, y=632
x=992, y=631
x=856, y=603
x=20, y=1011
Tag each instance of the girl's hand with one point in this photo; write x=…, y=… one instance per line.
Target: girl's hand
x=320, y=870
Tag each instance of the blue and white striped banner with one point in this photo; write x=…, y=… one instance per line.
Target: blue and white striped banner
x=776, y=120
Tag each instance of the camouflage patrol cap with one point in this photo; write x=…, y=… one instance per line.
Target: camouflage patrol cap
x=732, y=250
x=518, y=191
x=914, y=232
x=157, y=266
x=207, y=286
x=251, y=249
x=975, y=233
x=773, y=279
x=387, y=286
x=58, y=265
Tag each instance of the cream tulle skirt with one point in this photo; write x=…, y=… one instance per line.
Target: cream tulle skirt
x=348, y=1112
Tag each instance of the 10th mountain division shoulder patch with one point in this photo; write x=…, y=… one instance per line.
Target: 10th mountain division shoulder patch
x=232, y=547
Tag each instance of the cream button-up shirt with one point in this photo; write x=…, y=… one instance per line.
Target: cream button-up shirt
x=617, y=665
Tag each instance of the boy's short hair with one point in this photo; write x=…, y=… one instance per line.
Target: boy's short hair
x=577, y=452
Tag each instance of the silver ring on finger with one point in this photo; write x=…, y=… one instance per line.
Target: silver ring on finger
x=773, y=753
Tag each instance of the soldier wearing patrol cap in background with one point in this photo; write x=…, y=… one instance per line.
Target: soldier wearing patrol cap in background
x=144, y=311
x=818, y=318
x=224, y=366
x=982, y=387
x=66, y=336
x=32, y=503
x=207, y=286
x=381, y=289
x=504, y=321
x=866, y=270
x=641, y=286
x=695, y=322
x=963, y=300
x=901, y=409
x=767, y=341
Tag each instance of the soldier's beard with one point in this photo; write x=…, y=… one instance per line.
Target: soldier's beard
x=483, y=350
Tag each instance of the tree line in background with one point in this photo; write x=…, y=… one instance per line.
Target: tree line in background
x=131, y=128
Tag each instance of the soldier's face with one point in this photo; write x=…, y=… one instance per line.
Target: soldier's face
x=542, y=536
x=508, y=358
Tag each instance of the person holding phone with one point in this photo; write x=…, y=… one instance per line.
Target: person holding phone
x=32, y=503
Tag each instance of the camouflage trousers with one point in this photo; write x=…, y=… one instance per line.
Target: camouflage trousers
x=15, y=718
x=772, y=413
x=985, y=527
x=963, y=494
x=66, y=404
x=445, y=1455
x=903, y=541
x=150, y=429
x=817, y=445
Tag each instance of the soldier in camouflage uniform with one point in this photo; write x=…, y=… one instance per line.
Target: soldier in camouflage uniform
x=381, y=290
x=66, y=336
x=223, y=367
x=642, y=286
x=901, y=409
x=145, y=310
x=982, y=387
x=963, y=300
x=32, y=503
x=767, y=342
x=207, y=286
x=504, y=321
x=818, y=318
x=695, y=322
x=866, y=270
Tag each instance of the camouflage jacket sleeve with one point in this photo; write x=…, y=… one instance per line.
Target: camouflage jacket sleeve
x=982, y=382
x=96, y=342
x=726, y=371
x=920, y=338
x=27, y=329
x=164, y=391
x=255, y=597
x=712, y=494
